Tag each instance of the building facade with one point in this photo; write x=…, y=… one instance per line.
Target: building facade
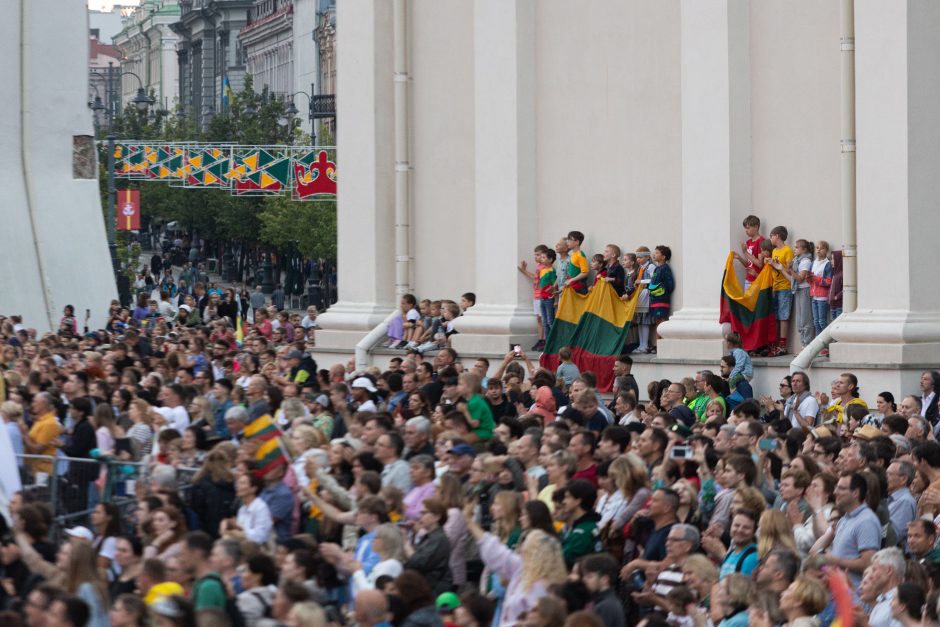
x=268, y=42
x=640, y=123
x=209, y=54
x=148, y=46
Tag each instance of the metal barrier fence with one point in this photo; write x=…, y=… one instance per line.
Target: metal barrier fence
x=73, y=486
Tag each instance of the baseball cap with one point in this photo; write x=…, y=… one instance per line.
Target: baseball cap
x=447, y=602
x=83, y=533
x=364, y=382
x=163, y=592
x=295, y=354
x=463, y=449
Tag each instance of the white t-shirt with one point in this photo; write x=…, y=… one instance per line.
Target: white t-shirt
x=176, y=417
x=803, y=264
x=819, y=268
x=255, y=520
x=808, y=408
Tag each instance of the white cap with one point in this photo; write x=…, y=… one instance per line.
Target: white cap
x=364, y=382
x=83, y=533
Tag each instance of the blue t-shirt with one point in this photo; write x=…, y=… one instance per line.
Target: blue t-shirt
x=748, y=562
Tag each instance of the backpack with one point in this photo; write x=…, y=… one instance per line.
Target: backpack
x=744, y=555
x=267, y=606
x=231, y=607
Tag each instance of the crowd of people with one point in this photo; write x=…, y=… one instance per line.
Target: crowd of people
x=216, y=476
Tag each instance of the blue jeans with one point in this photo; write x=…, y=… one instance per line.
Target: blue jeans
x=547, y=309
x=834, y=313
x=820, y=315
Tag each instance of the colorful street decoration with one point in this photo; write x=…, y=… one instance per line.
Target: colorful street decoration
x=304, y=172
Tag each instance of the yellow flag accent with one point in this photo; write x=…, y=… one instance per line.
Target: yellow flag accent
x=267, y=180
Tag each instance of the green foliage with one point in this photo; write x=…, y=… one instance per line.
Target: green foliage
x=311, y=225
x=127, y=256
x=252, y=118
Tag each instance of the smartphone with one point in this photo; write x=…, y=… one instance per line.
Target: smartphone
x=681, y=452
x=767, y=444
x=517, y=349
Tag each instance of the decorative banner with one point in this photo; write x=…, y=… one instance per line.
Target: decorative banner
x=258, y=171
x=127, y=211
x=314, y=175
x=308, y=172
x=207, y=166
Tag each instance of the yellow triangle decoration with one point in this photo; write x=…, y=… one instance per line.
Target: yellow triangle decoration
x=164, y=172
x=252, y=161
x=216, y=152
x=209, y=180
x=267, y=180
x=152, y=157
x=196, y=161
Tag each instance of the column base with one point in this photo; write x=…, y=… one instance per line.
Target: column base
x=345, y=323
x=886, y=338
x=493, y=329
x=691, y=334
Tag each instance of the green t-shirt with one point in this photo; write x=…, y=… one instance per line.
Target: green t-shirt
x=481, y=412
x=209, y=592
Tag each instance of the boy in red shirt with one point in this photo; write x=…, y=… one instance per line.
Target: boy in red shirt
x=750, y=248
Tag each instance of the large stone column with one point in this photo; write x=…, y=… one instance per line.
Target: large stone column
x=54, y=247
x=366, y=258
x=716, y=168
x=505, y=211
x=897, y=99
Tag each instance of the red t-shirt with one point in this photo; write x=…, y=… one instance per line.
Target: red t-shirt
x=588, y=474
x=753, y=247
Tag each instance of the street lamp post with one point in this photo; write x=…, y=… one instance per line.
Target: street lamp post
x=142, y=101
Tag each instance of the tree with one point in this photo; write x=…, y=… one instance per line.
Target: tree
x=251, y=118
x=312, y=225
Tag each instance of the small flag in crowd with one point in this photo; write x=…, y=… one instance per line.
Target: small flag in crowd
x=270, y=452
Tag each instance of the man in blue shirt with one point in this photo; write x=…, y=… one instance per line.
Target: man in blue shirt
x=280, y=500
x=858, y=533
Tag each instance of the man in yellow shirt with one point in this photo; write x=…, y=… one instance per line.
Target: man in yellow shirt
x=44, y=432
x=781, y=258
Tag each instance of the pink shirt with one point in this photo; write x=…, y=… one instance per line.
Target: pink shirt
x=415, y=498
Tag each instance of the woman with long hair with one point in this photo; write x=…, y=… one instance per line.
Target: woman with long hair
x=83, y=579
x=169, y=529
x=141, y=431
x=774, y=531
x=106, y=523
x=537, y=565
x=450, y=493
x=389, y=544
x=504, y=512
x=192, y=447
x=129, y=610
x=536, y=515
x=128, y=556
x=213, y=492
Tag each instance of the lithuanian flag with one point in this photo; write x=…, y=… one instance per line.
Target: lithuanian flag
x=750, y=313
x=270, y=453
x=595, y=326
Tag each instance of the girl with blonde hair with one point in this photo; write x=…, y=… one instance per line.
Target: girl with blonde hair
x=530, y=572
x=505, y=511
x=631, y=479
x=774, y=531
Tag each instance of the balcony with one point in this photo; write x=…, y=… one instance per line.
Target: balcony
x=323, y=106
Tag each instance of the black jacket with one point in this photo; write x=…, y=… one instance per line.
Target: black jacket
x=432, y=559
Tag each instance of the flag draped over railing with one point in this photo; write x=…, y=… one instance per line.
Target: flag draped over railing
x=750, y=313
x=595, y=326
